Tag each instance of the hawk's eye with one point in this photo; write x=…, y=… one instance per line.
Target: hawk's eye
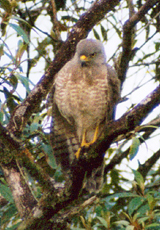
x=93, y=55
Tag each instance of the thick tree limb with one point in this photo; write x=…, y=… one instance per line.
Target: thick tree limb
x=21, y=192
x=7, y=140
x=57, y=222
x=66, y=215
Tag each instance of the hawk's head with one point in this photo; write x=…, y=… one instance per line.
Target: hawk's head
x=89, y=52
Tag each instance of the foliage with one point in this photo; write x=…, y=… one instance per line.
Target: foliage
x=130, y=196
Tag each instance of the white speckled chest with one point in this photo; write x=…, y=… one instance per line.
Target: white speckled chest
x=82, y=95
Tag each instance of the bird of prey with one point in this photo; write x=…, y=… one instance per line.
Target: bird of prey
x=84, y=94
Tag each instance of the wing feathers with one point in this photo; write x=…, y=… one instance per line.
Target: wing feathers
x=63, y=139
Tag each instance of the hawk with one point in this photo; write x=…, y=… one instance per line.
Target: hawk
x=84, y=95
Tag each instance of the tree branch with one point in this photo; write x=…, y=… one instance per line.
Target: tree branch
x=21, y=192
x=145, y=168
x=148, y=129
x=128, y=34
x=7, y=140
x=129, y=120
x=67, y=214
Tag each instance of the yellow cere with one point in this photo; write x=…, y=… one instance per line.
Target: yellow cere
x=83, y=58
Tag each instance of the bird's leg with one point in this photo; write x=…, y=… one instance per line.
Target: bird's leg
x=84, y=143
x=78, y=153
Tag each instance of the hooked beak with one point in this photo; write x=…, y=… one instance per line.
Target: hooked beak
x=84, y=58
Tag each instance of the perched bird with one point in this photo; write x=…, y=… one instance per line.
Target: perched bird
x=84, y=94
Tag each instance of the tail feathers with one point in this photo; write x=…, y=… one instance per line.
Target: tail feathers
x=94, y=180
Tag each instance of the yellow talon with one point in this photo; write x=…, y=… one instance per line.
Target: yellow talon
x=94, y=137
x=78, y=153
x=85, y=144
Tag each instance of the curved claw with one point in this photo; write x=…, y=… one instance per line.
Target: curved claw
x=77, y=154
x=85, y=144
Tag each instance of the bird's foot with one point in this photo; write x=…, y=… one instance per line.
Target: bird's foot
x=77, y=154
x=85, y=144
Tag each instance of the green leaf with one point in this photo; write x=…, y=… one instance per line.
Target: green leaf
x=151, y=201
x=1, y=113
x=1, y=117
x=154, y=226
x=134, y=147
x=122, y=223
x=20, y=31
x=51, y=160
x=34, y=126
x=157, y=46
x=21, y=20
x=6, y=193
x=104, y=32
x=24, y=80
x=69, y=18
x=13, y=80
x=96, y=34
x=14, y=227
x=103, y=221
x=1, y=50
x=143, y=219
x=11, y=104
x=73, y=228
x=22, y=47
x=143, y=210
x=139, y=179
x=9, y=213
x=130, y=227
x=134, y=204
x=121, y=195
